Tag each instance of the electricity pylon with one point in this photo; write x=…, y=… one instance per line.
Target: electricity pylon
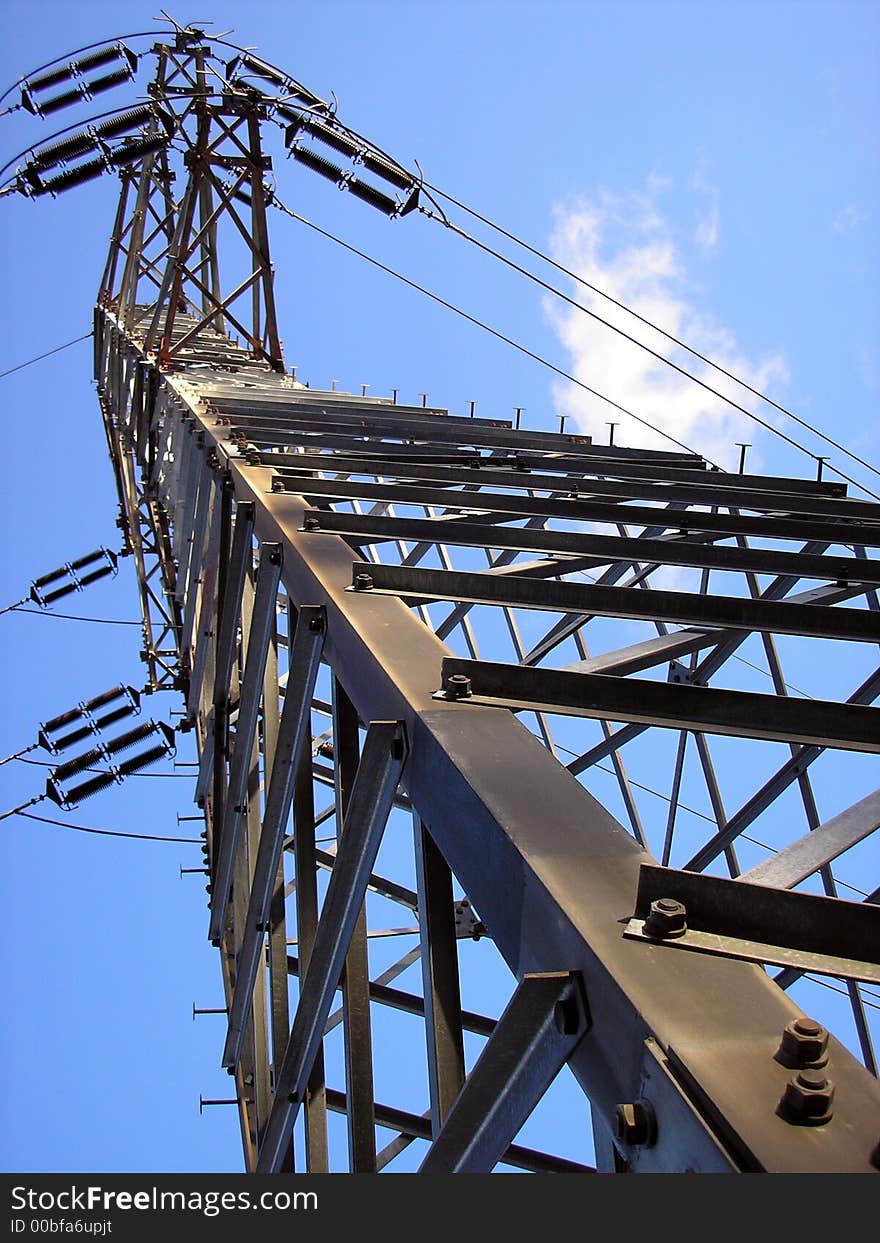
x=322, y=576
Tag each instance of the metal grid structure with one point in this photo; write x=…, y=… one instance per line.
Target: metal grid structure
x=325, y=576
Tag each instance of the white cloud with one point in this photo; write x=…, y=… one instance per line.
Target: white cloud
x=708, y=215
x=848, y=218
x=623, y=245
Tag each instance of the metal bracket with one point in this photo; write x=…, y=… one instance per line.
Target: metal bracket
x=735, y=919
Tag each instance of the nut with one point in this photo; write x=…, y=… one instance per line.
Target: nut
x=310, y=524
x=804, y=1044
x=808, y=1099
x=363, y=582
x=666, y=920
x=636, y=1124
x=458, y=686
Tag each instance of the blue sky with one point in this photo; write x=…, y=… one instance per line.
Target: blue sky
x=713, y=164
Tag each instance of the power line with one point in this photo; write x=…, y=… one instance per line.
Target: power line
x=649, y=324
x=82, y=828
x=558, y=370
x=48, y=354
x=104, y=621
x=492, y=331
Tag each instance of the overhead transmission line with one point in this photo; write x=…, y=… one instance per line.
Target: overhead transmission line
x=487, y=328
x=82, y=828
x=495, y=254
x=102, y=621
x=716, y=366
x=278, y=76
x=30, y=362
x=331, y=136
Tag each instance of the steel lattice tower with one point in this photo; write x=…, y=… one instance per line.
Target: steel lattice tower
x=311, y=565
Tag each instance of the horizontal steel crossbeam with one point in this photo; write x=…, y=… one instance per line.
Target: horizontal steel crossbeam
x=731, y=612
x=670, y=705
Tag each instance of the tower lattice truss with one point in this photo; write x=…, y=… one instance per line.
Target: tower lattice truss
x=408, y=642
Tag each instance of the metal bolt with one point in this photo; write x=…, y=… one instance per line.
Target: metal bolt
x=316, y=625
x=208, y=1010
x=226, y=1101
x=363, y=582
x=310, y=524
x=277, y=485
x=666, y=920
x=804, y=1044
x=808, y=1099
x=636, y=1124
x=458, y=686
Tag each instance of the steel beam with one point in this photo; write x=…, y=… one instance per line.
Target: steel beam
x=765, y=526
x=262, y=622
x=535, y=1036
x=379, y=772
x=305, y=657
x=800, y=859
x=596, y=550
x=736, y=919
x=743, y=714
x=231, y=596
x=357, y=1031
x=315, y=1103
x=731, y=612
x=690, y=487
x=440, y=983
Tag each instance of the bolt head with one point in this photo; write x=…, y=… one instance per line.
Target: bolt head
x=667, y=919
x=310, y=524
x=363, y=582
